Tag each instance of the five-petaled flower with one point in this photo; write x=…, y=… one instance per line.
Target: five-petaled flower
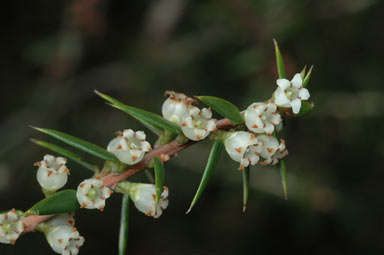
x=143, y=196
x=262, y=117
x=272, y=151
x=129, y=146
x=91, y=194
x=52, y=173
x=243, y=147
x=11, y=226
x=64, y=239
x=290, y=93
x=198, y=124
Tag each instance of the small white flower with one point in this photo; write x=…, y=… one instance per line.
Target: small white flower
x=290, y=93
x=11, y=226
x=91, y=194
x=143, y=196
x=129, y=146
x=52, y=173
x=198, y=124
x=262, y=117
x=271, y=151
x=64, y=239
x=243, y=147
x=176, y=107
x=62, y=219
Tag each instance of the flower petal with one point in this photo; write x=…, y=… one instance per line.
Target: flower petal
x=283, y=83
x=281, y=98
x=304, y=94
x=296, y=105
x=297, y=81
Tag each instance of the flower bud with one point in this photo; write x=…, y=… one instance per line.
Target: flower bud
x=290, y=93
x=52, y=173
x=176, y=107
x=143, y=196
x=198, y=124
x=262, y=117
x=91, y=194
x=243, y=147
x=64, y=239
x=11, y=226
x=129, y=146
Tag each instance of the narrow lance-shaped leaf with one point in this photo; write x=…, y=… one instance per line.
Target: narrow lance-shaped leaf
x=245, y=173
x=223, y=107
x=124, y=222
x=149, y=119
x=210, y=167
x=307, y=77
x=61, y=202
x=279, y=62
x=283, y=176
x=305, y=107
x=66, y=153
x=159, y=177
x=78, y=143
x=302, y=73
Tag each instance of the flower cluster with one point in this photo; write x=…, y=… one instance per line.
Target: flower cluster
x=11, y=226
x=262, y=120
x=195, y=123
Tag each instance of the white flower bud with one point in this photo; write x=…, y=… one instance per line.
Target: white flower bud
x=65, y=239
x=91, y=194
x=243, y=147
x=11, y=226
x=198, y=124
x=176, y=107
x=262, y=117
x=52, y=173
x=290, y=93
x=143, y=196
x=129, y=146
x=271, y=151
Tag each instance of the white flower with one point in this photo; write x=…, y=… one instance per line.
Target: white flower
x=143, y=196
x=262, y=117
x=64, y=239
x=271, y=151
x=92, y=194
x=62, y=219
x=11, y=226
x=198, y=124
x=243, y=147
x=129, y=146
x=176, y=107
x=52, y=173
x=290, y=93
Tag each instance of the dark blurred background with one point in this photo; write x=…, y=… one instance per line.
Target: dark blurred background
x=55, y=53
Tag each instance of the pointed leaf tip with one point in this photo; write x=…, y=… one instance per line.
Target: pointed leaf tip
x=213, y=159
x=283, y=176
x=245, y=175
x=279, y=62
x=307, y=77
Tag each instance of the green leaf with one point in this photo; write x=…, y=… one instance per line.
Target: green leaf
x=307, y=77
x=302, y=73
x=79, y=144
x=61, y=202
x=223, y=107
x=67, y=154
x=279, y=62
x=213, y=159
x=283, y=176
x=159, y=177
x=245, y=173
x=124, y=223
x=305, y=107
x=151, y=120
